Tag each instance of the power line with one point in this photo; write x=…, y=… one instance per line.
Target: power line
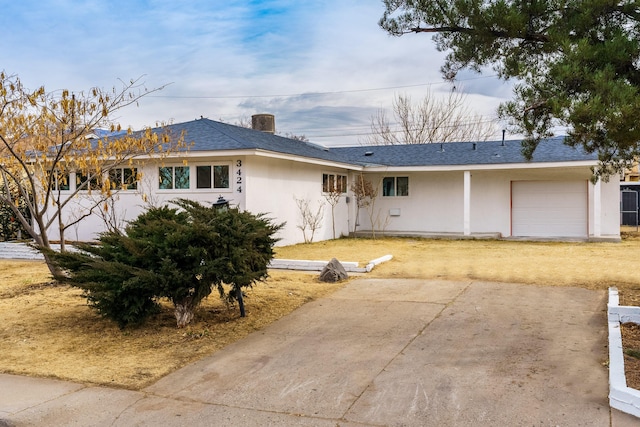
x=312, y=93
x=466, y=120
x=396, y=131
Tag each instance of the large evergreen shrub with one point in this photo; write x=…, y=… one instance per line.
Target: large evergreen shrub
x=10, y=226
x=179, y=254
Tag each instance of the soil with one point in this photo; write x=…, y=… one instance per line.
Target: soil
x=631, y=344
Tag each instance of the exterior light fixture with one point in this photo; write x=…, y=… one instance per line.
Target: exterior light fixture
x=221, y=204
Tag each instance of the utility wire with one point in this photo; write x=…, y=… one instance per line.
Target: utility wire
x=312, y=93
x=396, y=131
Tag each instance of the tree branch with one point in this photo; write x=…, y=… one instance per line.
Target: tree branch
x=530, y=37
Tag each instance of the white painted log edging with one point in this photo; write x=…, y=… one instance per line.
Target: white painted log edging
x=621, y=397
x=306, y=265
x=377, y=261
x=21, y=250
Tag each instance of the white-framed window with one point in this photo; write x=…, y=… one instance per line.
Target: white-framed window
x=213, y=176
x=332, y=182
x=395, y=186
x=60, y=181
x=173, y=178
x=123, y=178
x=95, y=180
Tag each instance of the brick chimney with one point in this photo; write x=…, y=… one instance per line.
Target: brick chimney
x=264, y=122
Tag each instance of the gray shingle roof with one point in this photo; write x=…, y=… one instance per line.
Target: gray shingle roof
x=210, y=135
x=461, y=153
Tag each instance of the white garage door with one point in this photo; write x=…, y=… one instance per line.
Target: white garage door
x=549, y=208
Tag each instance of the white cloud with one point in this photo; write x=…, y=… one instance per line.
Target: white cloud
x=331, y=54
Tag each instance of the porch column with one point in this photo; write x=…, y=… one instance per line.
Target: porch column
x=467, y=203
x=597, y=209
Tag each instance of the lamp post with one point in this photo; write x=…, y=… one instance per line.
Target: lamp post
x=221, y=204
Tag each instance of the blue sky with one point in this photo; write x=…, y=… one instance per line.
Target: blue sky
x=323, y=68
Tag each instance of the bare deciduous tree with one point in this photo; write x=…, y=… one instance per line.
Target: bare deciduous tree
x=295, y=137
x=432, y=120
x=364, y=193
x=45, y=139
x=311, y=220
x=333, y=197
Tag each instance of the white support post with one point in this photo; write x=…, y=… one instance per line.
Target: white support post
x=467, y=203
x=597, y=209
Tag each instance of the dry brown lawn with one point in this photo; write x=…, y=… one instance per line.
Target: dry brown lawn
x=48, y=330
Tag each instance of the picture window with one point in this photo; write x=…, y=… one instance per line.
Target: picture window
x=123, y=179
x=334, y=183
x=94, y=181
x=395, y=186
x=60, y=181
x=173, y=177
x=216, y=176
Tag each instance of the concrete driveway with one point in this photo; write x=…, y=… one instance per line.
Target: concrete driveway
x=376, y=353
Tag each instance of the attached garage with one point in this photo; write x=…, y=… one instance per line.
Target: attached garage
x=549, y=209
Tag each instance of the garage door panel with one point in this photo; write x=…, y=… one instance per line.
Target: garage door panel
x=549, y=208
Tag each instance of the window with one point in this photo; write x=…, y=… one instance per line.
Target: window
x=221, y=176
x=123, y=178
x=60, y=181
x=216, y=176
x=203, y=176
x=341, y=183
x=173, y=177
x=334, y=182
x=94, y=182
x=395, y=186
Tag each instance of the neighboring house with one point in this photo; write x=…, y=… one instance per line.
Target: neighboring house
x=632, y=174
x=630, y=196
x=455, y=189
x=630, y=203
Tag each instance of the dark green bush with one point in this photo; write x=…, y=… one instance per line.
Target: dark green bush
x=176, y=254
x=116, y=290
x=10, y=227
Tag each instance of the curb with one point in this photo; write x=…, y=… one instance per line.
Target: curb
x=621, y=397
x=306, y=265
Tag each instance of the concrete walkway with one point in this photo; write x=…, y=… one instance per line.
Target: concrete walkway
x=376, y=353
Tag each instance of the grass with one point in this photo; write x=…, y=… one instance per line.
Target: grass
x=48, y=330
x=588, y=265
x=633, y=353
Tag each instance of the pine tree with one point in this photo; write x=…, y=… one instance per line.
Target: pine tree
x=576, y=62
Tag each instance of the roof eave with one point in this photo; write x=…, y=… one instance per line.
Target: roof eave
x=195, y=154
x=491, y=166
x=308, y=160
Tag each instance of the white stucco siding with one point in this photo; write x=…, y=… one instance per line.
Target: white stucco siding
x=434, y=204
x=437, y=201
x=128, y=204
x=275, y=184
x=609, y=208
x=490, y=201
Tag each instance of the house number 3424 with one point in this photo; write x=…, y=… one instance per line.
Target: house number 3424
x=239, y=176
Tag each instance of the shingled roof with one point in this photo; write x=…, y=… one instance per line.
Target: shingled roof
x=461, y=153
x=210, y=135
